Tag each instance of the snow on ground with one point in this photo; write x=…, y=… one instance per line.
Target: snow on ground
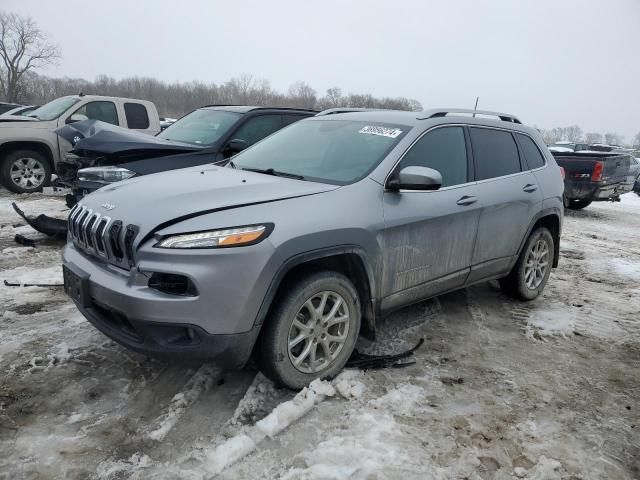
x=500, y=389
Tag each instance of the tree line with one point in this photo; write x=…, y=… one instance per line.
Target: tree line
x=574, y=133
x=176, y=99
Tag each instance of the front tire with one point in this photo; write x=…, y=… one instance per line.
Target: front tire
x=25, y=171
x=529, y=275
x=311, y=331
x=578, y=204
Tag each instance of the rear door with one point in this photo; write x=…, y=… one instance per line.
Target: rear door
x=428, y=238
x=510, y=197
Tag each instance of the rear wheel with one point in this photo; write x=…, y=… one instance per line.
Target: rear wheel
x=529, y=276
x=578, y=204
x=25, y=171
x=312, y=330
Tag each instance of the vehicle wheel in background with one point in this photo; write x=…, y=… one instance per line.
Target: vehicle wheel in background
x=25, y=171
x=311, y=331
x=578, y=204
x=529, y=275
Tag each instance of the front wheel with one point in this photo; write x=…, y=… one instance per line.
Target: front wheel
x=578, y=204
x=529, y=276
x=25, y=171
x=312, y=330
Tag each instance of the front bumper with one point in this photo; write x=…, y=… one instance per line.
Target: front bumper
x=221, y=322
x=165, y=340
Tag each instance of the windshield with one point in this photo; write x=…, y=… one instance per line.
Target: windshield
x=54, y=108
x=331, y=151
x=201, y=127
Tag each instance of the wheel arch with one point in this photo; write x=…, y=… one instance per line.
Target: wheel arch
x=350, y=260
x=40, y=147
x=549, y=218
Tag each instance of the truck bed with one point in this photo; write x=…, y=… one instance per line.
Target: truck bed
x=582, y=181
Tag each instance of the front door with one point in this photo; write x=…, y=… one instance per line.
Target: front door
x=429, y=235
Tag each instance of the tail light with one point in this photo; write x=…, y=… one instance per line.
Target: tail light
x=563, y=174
x=596, y=175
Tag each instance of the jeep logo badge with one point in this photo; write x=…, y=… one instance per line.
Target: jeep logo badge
x=108, y=206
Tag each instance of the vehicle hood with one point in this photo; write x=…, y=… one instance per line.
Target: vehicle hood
x=101, y=138
x=157, y=201
x=9, y=119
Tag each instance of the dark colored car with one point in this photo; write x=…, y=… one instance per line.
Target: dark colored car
x=594, y=176
x=5, y=107
x=104, y=154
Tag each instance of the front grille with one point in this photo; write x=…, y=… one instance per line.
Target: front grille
x=102, y=236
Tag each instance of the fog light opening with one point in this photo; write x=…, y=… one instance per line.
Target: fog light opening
x=172, y=284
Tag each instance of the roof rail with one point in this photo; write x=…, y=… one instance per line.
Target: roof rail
x=333, y=111
x=443, y=112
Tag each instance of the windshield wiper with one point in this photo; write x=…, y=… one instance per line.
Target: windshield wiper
x=275, y=173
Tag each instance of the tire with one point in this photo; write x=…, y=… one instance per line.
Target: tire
x=25, y=171
x=578, y=204
x=518, y=283
x=273, y=356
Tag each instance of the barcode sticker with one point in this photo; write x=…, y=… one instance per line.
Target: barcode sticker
x=381, y=131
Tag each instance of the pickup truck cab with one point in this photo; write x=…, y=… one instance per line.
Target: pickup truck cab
x=592, y=176
x=30, y=149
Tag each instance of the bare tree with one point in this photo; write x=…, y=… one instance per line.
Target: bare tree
x=23, y=49
x=593, y=137
x=613, y=139
x=573, y=133
x=636, y=140
x=302, y=95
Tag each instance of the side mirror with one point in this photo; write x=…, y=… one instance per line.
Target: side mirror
x=415, y=178
x=237, y=145
x=76, y=117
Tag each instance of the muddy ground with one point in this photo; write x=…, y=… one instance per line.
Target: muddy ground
x=500, y=389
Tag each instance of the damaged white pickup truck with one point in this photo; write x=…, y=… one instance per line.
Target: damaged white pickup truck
x=30, y=149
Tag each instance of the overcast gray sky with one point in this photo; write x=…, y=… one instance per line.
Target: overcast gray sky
x=551, y=62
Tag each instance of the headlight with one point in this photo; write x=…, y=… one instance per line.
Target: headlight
x=229, y=237
x=104, y=174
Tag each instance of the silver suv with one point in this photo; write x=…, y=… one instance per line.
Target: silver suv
x=298, y=244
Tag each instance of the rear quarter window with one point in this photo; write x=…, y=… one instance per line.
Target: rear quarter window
x=137, y=117
x=495, y=153
x=531, y=153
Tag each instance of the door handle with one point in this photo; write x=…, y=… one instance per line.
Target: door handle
x=529, y=188
x=467, y=200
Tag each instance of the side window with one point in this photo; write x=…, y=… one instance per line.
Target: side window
x=256, y=128
x=103, y=111
x=495, y=153
x=137, y=117
x=444, y=150
x=291, y=118
x=531, y=153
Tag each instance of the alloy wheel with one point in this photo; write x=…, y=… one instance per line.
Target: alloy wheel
x=536, y=264
x=27, y=173
x=318, y=332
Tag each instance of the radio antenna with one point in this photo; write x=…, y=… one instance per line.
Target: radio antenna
x=475, y=107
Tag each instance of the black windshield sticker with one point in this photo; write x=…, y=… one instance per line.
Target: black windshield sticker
x=381, y=131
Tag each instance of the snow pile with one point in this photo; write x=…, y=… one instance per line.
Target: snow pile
x=627, y=269
x=401, y=400
x=112, y=468
x=348, y=384
x=545, y=469
x=363, y=450
x=554, y=319
x=279, y=419
x=261, y=391
x=22, y=275
x=201, y=381
x=288, y=412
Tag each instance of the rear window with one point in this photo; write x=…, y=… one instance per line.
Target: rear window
x=137, y=116
x=531, y=153
x=495, y=153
